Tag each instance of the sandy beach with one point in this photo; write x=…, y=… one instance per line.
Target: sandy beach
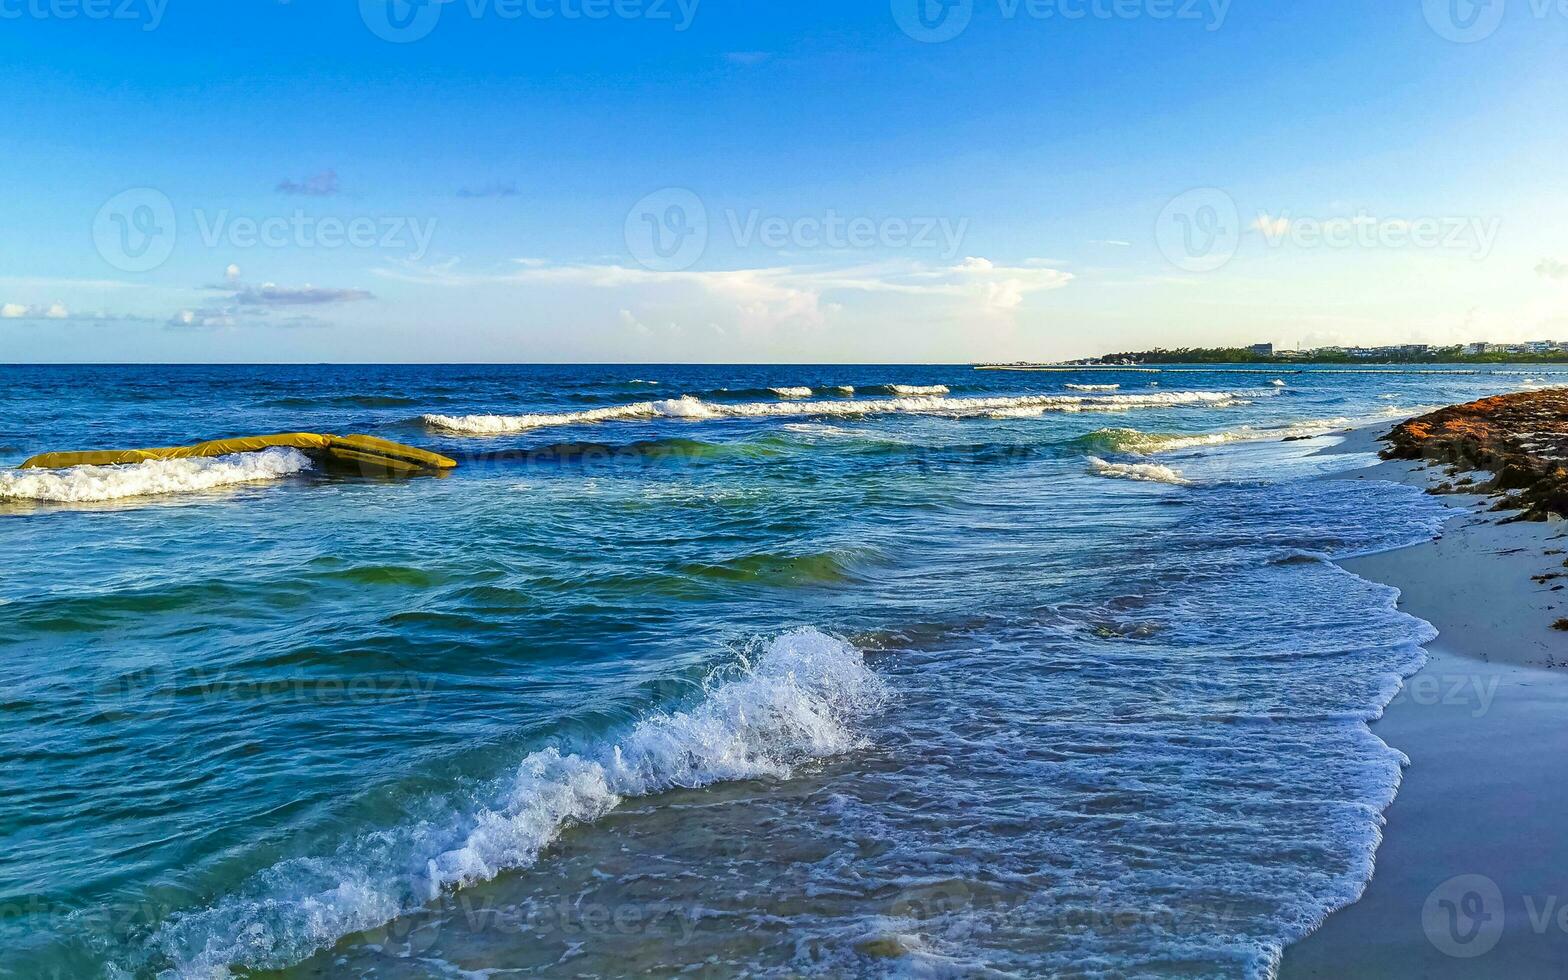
x=1469, y=879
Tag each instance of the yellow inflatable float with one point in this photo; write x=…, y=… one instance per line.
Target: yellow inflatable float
x=366, y=455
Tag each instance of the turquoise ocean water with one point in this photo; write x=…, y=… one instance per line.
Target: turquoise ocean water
x=711, y=671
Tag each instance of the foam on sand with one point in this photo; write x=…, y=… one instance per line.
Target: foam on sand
x=88, y=484
x=1142, y=472
x=797, y=697
x=688, y=407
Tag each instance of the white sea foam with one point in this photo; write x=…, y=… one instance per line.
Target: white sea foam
x=799, y=392
x=793, y=699
x=1149, y=443
x=689, y=407
x=1277, y=383
x=1142, y=443
x=1072, y=387
x=845, y=389
x=685, y=407
x=919, y=389
x=1142, y=472
x=87, y=484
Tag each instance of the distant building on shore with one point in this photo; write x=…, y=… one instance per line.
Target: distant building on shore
x=1555, y=351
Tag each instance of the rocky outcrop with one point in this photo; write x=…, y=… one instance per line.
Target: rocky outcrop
x=1521, y=440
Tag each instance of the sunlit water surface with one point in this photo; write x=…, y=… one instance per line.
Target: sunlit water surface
x=688, y=671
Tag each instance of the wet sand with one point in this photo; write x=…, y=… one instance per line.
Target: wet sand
x=1472, y=875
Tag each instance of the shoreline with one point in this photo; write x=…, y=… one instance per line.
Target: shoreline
x=1468, y=879
x=1286, y=367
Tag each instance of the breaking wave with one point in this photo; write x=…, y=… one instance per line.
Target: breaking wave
x=1148, y=443
x=1138, y=442
x=1072, y=387
x=787, y=701
x=89, y=484
x=797, y=392
x=1142, y=472
x=688, y=407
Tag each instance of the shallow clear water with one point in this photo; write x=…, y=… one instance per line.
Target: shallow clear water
x=1013, y=678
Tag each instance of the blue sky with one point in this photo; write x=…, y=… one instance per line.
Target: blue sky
x=653, y=180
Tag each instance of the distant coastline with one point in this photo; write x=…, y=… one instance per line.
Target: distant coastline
x=1291, y=367
x=1540, y=352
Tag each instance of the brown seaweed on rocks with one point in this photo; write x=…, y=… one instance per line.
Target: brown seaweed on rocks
x=1521, y=439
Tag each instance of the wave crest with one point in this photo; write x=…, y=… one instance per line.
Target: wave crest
x=1147, y=443
x=794, y=698
x=90, y=484
x=1142, y=472
x=689, y=407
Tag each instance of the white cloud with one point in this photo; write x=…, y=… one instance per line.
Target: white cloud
x=59, y=311
x=1552, y=269
x=799, y=296
x=629, y=321
x=1271, y=227
x=324, y=184
x=209, y=318
x=271, y=294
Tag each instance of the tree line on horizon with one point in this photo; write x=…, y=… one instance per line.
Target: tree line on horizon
x=1242, y=355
